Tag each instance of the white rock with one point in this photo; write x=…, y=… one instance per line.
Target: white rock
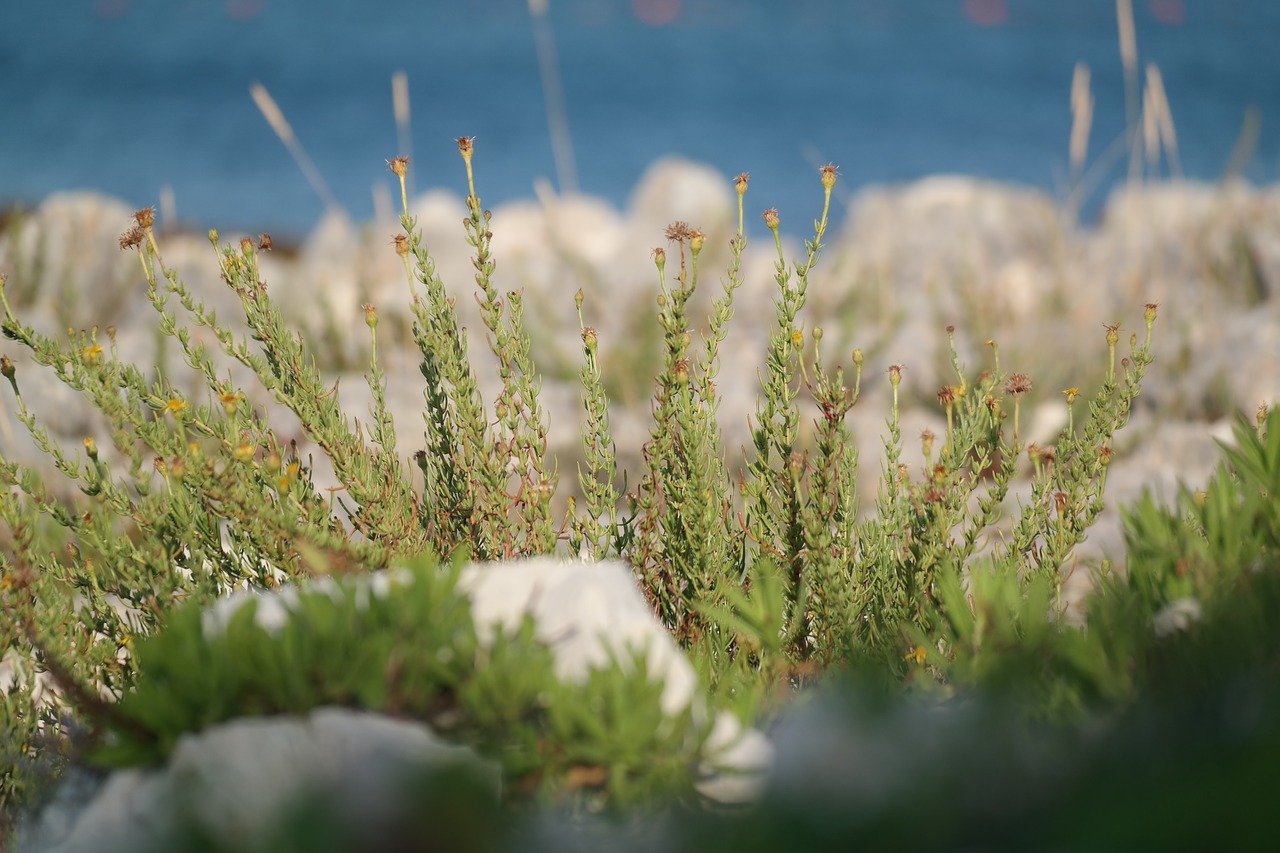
x=234, y=780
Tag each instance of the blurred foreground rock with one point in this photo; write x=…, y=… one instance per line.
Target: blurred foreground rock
x=233, y=781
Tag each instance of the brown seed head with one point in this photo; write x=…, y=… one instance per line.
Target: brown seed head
x=680, y=371
x=402, y=244
x=1060, y=502
x=145, y=217
x=740, y=182
x=264, y=242
x=1018, y=383
x=947, y=395
x=399, y=166
x=466, y=146
x=678, y=231
x=132, y=238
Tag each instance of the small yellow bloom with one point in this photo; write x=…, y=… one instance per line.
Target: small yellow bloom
x=244, y=451
x=918, y=654
x=229, y=401
x=91, y=353
x=174, y=406
x=1072, y=393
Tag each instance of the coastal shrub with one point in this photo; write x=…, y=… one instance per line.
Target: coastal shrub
x=767, y=575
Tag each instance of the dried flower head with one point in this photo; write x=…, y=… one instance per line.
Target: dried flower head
x=947, y=395
x=370, y=316
x=1018, y=383
x=1113, y=332
x=399, y=166
x=1149, y=312
x=1060, y=500
x=678, y=231
x=680, y=371
x=401, y=242
x=246, y=246
x=145, y=217
x=132, y=238
x=926, y=440
x=771, y=218
x=264, y=242
x=466, y=146
x=895, y=374
x=589, y=339
x=740, y=182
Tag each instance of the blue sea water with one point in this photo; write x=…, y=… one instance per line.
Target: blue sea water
x=129, y=96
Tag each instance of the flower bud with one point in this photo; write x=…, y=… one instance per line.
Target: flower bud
x=829, y=175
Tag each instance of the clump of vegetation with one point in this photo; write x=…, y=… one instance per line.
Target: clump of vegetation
x=768, y=577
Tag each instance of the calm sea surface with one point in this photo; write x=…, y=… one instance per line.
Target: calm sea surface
x=130, y=96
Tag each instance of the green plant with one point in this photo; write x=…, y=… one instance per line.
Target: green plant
x=766, y=580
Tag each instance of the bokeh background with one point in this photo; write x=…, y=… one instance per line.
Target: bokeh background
x=133, y=96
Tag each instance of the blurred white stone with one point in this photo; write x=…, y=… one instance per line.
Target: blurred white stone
x=1177, y=615
x=234, y=780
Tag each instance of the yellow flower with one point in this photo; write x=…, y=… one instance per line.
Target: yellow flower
x=229, y=401
x=91, y=353
x=174, y=406
x=244, y=451
x=918, y=654
x=1072, y=393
